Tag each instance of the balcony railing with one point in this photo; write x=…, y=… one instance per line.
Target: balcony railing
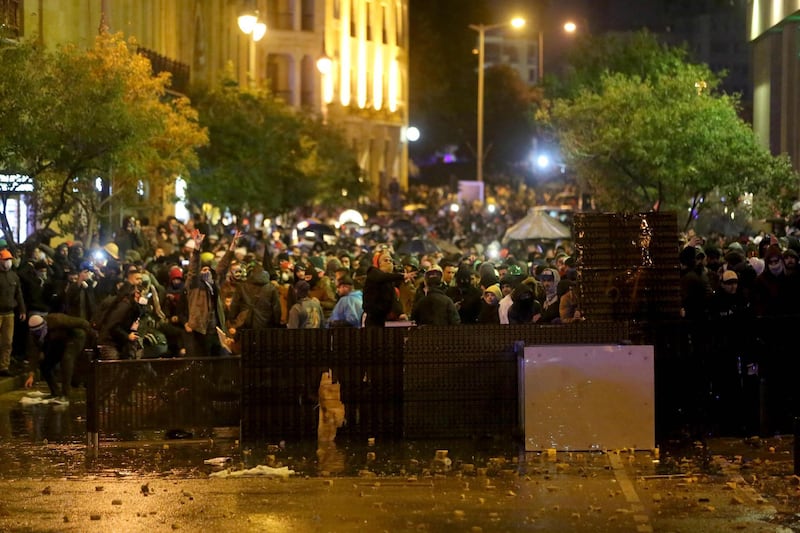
x=180, y=71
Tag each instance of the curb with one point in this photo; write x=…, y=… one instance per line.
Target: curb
x=10, y=384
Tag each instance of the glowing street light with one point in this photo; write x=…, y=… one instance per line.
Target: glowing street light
x=482, y=29
x=251, y=26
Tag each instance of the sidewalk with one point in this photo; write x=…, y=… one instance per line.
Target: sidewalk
x=10, y=384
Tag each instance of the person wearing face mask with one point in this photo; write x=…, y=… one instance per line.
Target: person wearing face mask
x=205, y=307
x=771, y=294
x=285, y=280
x=34, y=274
x=11, y=300
x=551, y=303
x=59, y=339
x=79, y=295
x=176, y=312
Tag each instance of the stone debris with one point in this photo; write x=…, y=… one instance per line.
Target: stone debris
x=260, y=470
x=217, y=461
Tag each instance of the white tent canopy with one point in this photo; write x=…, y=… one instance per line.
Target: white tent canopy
x=537, y=224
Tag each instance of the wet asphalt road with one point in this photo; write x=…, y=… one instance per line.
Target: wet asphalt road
x=48, y=484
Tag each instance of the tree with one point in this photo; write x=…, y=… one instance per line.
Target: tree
x=664, y=138
x=88, y=114
x=267, y=155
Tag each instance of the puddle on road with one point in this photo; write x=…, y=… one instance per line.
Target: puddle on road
x=50, y=440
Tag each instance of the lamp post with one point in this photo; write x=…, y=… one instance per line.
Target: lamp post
x=482, y=29
x=251, y=26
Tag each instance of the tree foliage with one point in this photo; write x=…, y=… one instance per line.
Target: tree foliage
x=660, y=136
x=266, y=156
x=75, y=115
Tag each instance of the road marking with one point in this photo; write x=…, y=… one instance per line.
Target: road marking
x=629, y=491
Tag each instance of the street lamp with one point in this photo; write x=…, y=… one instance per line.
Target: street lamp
x=482, y=29
x=251, y=26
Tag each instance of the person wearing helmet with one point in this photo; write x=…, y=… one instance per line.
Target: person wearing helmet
x=11, y=300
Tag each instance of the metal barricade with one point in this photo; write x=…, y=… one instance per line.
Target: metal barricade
x=125, y=397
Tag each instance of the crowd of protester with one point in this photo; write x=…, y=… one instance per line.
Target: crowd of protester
x=190, y=289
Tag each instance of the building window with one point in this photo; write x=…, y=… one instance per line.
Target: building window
x=369, y=20
x=307, y=82
x=384, y=29
x=398, y=24
x=280, y=14
x=353, y=19
x=307, y=15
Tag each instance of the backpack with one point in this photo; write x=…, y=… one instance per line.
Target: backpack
x=309, y=315
x=313, y=318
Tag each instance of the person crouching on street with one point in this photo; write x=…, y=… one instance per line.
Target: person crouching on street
x=60, y=338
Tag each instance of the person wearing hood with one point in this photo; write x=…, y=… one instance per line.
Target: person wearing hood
x=771, y=292
x=260, y=300
x=695, y=289
x=465, y=295
x=489, y=306
x=175, y=310
x=550, y=306
x=205, y=311
x=525, y=307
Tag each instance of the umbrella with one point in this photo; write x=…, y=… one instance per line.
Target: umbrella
x=537, y=225
x=403, y=225
x=446, y=246
x=418, y=246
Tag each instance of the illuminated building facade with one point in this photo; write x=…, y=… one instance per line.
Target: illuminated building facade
x=773, y=27
x=361, y=84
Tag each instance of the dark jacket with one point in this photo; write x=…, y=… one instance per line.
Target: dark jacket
x=117, y=323
x=39, y=295
x=260, y=300
x=771, y=295
x=468, y=301
x=11, y=293
x=525, y=306
x=79, y=300
x=435, y=309
x=381, y=302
